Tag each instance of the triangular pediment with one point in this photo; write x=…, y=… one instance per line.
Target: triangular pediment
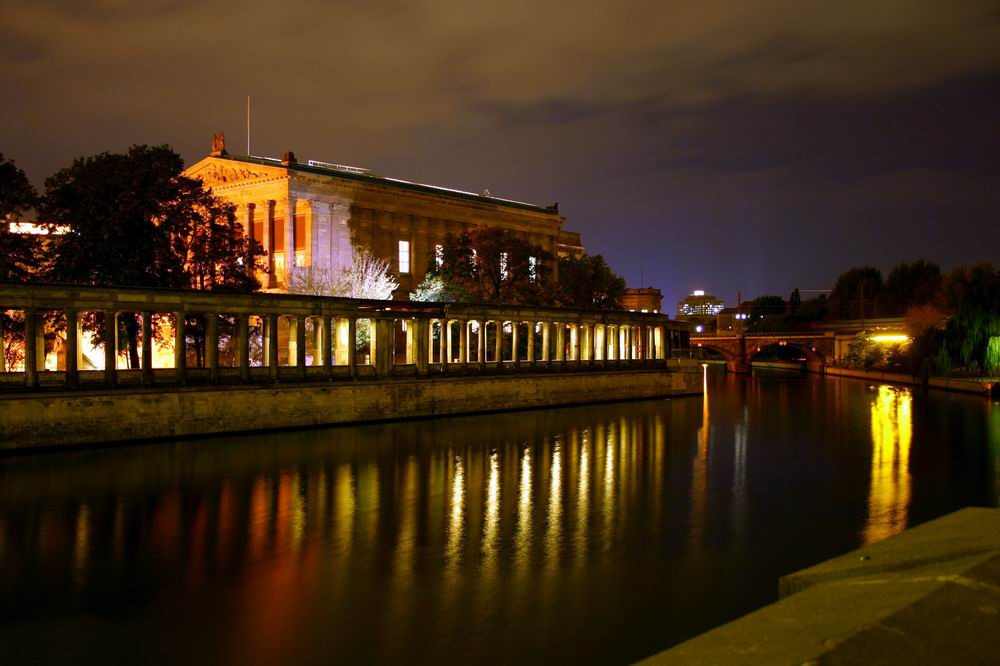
x=214, y=172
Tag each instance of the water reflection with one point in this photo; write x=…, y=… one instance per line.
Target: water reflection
x=892, y=435
x=533, y=537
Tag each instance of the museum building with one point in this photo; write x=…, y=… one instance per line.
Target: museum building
x=317, y=214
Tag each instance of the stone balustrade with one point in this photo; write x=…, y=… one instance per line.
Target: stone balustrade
x=55, y=337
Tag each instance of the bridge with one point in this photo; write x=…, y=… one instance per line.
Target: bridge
x=818, y=348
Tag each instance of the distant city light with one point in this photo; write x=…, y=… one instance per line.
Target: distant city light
x=699, y=328
x=698, y=292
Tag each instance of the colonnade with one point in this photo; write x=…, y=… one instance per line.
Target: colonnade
x=173, y=337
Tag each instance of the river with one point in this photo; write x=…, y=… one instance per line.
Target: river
x=598, y=534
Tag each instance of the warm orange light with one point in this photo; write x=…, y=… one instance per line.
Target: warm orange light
x=890, y=337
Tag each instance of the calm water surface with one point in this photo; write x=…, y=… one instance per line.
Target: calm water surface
x=595, y=534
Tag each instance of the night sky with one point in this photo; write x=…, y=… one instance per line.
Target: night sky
x=727, y=145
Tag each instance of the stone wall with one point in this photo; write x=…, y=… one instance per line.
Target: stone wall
x=34, y=421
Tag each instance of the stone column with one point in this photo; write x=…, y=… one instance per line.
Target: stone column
x=383, y=347
x=514, y=358
x=422, y=335
x=271, y=280
x=443, y=344
x=316, y=227
x=448, y=340
x=147, y=347
x=271, y=331
x=560, y=355
x=411, y=338
x=110, y=347
x=326, y=335
x=300, y=345
x=546, y=345
x=574, y=342
x=180, y=348
x=243, y=346
x=481, y=344
x=498, y=345
x=212, y=346
x=289, y=239
x=352, y=349
x=248, y=215
x=72, y=348
x=463, y=343
x=31, y=347
x=531, y=343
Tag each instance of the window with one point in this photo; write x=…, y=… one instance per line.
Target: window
x=404, y=256
x=503, y=265
x=532, y=268
x=439, y=255
x=300, y=233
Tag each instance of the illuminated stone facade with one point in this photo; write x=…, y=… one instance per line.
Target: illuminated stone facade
x=318, y=214
x=642, y=299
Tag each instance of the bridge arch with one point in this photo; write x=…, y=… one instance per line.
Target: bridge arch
x=814, y=359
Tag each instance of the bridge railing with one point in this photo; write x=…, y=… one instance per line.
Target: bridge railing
x=71, y=336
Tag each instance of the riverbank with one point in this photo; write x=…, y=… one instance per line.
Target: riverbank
x=81, y=418
x=928, y=595
x=987, y=387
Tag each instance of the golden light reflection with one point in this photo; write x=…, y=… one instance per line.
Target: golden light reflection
x=699, y=469
x=608, y=504
x=343, y=522
x=554, y=535
x=523, y=539
x=456, y=527
x=406, y=542
x=583, y=498
x=889, y=493
x=491, y=518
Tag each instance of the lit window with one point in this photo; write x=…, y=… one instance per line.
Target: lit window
x=439, y=255
x=404, y=256
x=532, y=268
x=503, y=265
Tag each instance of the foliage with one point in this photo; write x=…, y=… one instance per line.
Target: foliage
x=492, y=265
x=911, y=285
x=367, y=277
x=313, y=281
x=862, y=353
x=794, y=301
x=588, y=282
x=764, y=307
x=856, y=293
x=132, y=220
x=17, y=197
x=434, y=289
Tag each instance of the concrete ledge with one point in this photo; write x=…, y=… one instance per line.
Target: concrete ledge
x=930, y=595
x=32, y=421
x=985, y=387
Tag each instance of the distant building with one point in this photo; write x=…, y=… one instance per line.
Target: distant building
x=700, y=305
x=320, y=214
x=733, y=320
x=642, y=299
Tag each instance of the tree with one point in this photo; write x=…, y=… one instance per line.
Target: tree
x=17, y=197
x=491, y=265
x=767, y=313
x=863, y=353
x=588, y=282
x=132, y=220
x=366, y=276
x=911, y=285
x=794, y=301
x=856, y=293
